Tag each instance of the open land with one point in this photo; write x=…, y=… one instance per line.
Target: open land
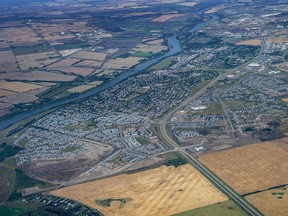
x=7, y=62
x=251, y=168
x=31, y=61
x=89, y=64
x=214, y=10
x=161, y=191
x=90, y=55
x=6, y=182
x=122, y=63
x=271, y=202
x=18, y=35
x=167, y=17
x=278, y=39
x=75, y=70
x=67, y=62
x=44, y=76
x=18, y=86
x=226, y=208
x=254, y=42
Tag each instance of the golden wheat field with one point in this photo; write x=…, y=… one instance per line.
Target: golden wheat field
x=272, y=202
x=251, y=168
x=160, y=191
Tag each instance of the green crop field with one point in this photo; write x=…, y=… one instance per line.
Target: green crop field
x=6, y=183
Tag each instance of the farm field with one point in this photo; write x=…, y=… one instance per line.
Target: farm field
x=18, y=35
x=68, y=52
x=251, y=168
x=75, y=70
x=90, y=55
x=226, y=208
x=22, y=97
x=167, y=17
x=271, y=202
x=122, y=63
x=7, y=62
x=64, y=63
x=18, y=86
x=5, y=92
x=37, y=60
x=254, y=42
x=160, y=191
x=89, y=64
x=44, y=76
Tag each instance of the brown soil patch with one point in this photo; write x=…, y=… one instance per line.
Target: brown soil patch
x=285, y=99
x=272, y=202
x=278, y=39
x=18, y=86
x=161, y=191
x=89, y=63
x=90, y=55
x=122, y=63
x=44, y=76
x=254, y=42
x=5, y=92
x=36, y=60
x=216, y=9
x=250, y=168
x=167, y=17
x=64, y=63
x=18, y=35
x=75, y=70
x=9, y=75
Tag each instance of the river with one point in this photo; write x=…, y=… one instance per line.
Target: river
x=174, y=48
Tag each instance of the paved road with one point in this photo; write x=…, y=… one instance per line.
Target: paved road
x=196, y=163
x=211, y=176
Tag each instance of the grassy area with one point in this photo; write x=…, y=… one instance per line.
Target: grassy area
x=173, y=159
x=8, y=151
x=214, y=108
x=142, y=54
x=227, y=208
x=165, y=63
x=7, y=177
x=107, y=202
x=17, y=208
x=199, y=86
x=69, y=149
x=234, y=104
x=24, y=181
x=142, y=140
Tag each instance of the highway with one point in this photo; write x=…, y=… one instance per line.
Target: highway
x=250, y=210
